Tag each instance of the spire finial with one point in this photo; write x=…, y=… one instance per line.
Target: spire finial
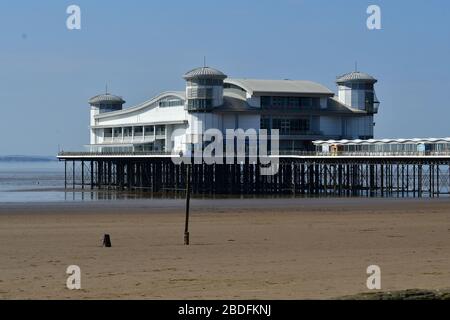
x=356, y=66
x=204, y=61
x=106, y=88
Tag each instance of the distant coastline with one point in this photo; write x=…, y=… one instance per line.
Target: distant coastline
x=15, y=158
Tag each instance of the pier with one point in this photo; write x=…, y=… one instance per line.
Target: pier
x=406, y=174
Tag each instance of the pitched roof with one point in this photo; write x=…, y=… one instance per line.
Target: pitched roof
x=256, y=86
x=146, y=104
x=235, y=103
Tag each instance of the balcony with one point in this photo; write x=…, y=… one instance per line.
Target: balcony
x=128, y=140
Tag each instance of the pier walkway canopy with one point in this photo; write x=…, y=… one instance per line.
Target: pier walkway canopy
x=431, y=146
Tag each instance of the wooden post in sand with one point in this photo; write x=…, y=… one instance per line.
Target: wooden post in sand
x=188, y=199
x=107, y=241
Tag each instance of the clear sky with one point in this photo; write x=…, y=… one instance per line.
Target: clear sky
x=140, y=48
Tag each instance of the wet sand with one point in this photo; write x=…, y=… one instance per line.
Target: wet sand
x=240, y=249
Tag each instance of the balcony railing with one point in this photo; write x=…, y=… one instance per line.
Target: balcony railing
x=291, y=132
x=364, y=154
x=291, y=108
x=106, y=153
x=280, y=153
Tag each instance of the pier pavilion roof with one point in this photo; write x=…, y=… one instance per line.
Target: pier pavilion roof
x=383, y=141
x=276, y=87
x=204, y=73
x=356, y=76
x=106, y=98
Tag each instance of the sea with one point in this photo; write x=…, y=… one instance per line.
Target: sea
x=43, y=181
x=33, y=181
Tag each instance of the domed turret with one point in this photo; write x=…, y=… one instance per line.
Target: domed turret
x=204, y=89
x=356, y=76
x=204, y=73
x=356, y=89
x=107, y=102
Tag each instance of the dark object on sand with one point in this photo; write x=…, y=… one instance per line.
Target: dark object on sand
x=412, y=294
x=107, y=241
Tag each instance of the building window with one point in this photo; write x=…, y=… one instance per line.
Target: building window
x=285, y=126
x=127, y=132
x=232, y=86
x=278, y=102
x=265, y=123
x=266, y=102
x=276, y=124
x=306, y=102
x=199, y=104
x=117, y=132
x=361, y=86
x=107, y=133
x=149, y=131
x=293, y=102
x=316, y=102
x=369, y=101
x=171, y=103
x=160, y=130
x=138, y=131
x=200, y=93
x=205, y=82
x=299, y=126
x=292, y=126
x=289, y=102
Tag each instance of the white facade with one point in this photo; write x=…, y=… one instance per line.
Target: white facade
x=302, y=111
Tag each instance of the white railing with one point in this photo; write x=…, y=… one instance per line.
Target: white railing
x=288, y=153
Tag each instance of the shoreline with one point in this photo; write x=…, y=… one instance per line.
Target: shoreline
x=248, y=201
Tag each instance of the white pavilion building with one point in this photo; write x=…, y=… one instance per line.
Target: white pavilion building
x=302, y=111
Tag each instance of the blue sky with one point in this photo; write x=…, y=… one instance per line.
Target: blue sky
x=140, y=48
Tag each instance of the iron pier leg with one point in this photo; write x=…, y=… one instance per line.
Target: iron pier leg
x=82, y=174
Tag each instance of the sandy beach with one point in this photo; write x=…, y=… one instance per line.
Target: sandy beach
x=240, y=249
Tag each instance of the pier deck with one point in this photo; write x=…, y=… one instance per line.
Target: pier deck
x=302, y=173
